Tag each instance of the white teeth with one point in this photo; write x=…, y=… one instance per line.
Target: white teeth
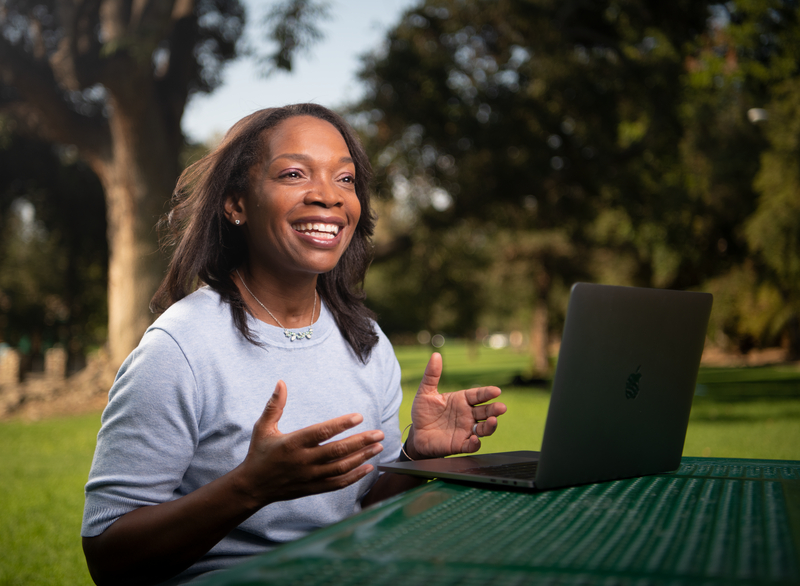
x=327, y=231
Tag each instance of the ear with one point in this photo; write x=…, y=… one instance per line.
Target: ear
x=235, y=209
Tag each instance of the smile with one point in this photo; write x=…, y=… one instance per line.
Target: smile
x=317, y=230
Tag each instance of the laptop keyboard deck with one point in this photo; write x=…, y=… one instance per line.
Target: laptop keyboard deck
x=517, y=470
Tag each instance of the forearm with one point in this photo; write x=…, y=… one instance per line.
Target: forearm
x=153, y=543
x=389, y=485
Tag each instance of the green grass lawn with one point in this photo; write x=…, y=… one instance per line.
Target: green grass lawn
x=743, y=413
x=43, y=467
x=738, y=412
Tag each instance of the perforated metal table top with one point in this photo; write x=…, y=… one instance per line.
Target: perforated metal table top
x=714, y=521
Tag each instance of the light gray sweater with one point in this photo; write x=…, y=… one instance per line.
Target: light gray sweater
x=184, y=403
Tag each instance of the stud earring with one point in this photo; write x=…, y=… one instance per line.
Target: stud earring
x=238, y=222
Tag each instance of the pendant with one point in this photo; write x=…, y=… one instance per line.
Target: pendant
x=298, y=335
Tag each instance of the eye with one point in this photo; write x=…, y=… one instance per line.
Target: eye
x=291, y=174
x=348, y=179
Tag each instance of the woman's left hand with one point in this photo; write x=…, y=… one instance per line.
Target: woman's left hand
x=450, y=423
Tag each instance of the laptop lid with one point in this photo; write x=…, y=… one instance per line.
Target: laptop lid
x=621, y=395
x=624, y=383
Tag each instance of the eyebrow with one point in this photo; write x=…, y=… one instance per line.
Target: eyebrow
x=305, y=158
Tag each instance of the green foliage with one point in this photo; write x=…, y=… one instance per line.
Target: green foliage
x=293, y=29
x=531, y=120
x=763, y=42
x=53, y=251
x=608, y=142
x=451, y=263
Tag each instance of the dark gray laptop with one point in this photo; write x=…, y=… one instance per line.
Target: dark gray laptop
x=620, y=399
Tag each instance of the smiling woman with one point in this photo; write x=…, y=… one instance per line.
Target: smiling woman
x=259, y=157
x=271, y=239
x=300, y=215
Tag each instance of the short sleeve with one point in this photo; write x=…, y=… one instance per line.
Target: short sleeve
x=393, y=398
x=148, y=436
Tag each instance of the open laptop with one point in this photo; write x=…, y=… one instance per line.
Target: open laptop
x=621, y=395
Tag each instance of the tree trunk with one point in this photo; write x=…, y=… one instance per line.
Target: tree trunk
x=539, y=323
x=138, y=179
x=539, y=338
x=791, y=339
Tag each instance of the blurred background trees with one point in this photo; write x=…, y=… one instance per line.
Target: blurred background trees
x=53, y=250
x=110, y=80
x=607, y=141
x=519, y=146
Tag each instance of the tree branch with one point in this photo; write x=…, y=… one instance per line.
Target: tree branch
x=76, y=63
x=174, y=86
x=47, y=114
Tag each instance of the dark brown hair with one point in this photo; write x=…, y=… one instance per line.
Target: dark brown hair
x=206, y=248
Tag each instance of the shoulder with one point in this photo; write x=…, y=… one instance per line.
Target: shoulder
x=202, y=305
x=198, y=324
x=384, y=345
x=203, y=314
x=382, y=355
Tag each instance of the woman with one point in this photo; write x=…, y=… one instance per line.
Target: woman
x=187, y=477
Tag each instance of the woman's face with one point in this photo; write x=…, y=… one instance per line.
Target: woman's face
x=302, y=210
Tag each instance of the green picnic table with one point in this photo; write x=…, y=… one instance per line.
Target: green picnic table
x=714, y=521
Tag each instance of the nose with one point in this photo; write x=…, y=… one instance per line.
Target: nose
x=324, y=193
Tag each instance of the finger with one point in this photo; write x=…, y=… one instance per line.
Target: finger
x=345, y=448
x=482, y=394
x=344, y=465
x=471, y=445
x=488, y=427
x=341, y=472
x=491, y=410
x=433, y=372
x=339, y=482
x=268, y=422
x=313, y=435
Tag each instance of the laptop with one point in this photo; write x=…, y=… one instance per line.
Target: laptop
x=620, y=399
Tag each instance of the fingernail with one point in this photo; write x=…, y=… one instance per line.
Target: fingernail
x=376, y=436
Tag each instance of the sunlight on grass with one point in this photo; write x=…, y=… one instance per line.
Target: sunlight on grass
x=741, y=413
x=43, y=467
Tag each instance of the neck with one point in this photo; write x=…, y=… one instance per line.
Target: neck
x=291, y=305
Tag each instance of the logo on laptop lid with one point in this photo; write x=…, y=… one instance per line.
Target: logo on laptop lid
x=632, y=384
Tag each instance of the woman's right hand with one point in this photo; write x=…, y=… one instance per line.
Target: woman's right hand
x=151, y=544
x=304, y=462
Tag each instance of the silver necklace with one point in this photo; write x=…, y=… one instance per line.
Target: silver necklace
x=291, y=335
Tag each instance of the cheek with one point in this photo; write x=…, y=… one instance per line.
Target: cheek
x=355, y=208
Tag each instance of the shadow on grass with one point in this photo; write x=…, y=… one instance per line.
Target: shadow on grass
x=769, y=390
x=710, y=413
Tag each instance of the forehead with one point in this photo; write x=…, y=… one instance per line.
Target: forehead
x=305, y=135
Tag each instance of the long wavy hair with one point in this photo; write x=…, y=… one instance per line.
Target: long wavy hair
x=206, y=247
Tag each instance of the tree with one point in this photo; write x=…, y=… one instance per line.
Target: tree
x=531, y=117
x=768, y=35
x=749, y=80
x=112, y=78
x=53, y=253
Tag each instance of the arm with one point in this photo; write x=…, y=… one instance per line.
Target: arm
x=442, y=425
x=153, y=543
